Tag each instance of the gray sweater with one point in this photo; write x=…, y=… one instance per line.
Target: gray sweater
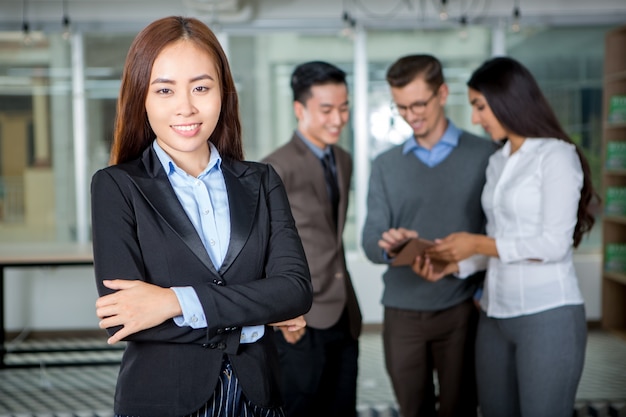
x=437, y=201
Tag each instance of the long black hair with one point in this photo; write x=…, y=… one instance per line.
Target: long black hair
x=520, y=106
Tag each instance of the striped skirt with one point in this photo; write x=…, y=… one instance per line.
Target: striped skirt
x=228, y=400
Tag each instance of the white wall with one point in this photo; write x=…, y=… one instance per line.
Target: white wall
x=63, y=298
x=51, y=298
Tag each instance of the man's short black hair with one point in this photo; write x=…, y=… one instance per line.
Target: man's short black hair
x=313, y=73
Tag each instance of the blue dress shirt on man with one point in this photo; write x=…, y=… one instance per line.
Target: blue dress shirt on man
x=437, y=153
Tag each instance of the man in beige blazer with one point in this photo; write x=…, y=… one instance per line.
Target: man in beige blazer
x=319, y=364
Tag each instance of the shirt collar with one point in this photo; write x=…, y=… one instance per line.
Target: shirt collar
x=450, y=138
x=528, y=145
x=215, y=160
x=316, y=151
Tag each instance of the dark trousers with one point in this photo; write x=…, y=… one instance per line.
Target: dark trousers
x=418, y=343
x=319, y=372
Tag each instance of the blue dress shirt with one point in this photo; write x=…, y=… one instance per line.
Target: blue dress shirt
x=319, y=152
x=205, y=200
x=439, y=152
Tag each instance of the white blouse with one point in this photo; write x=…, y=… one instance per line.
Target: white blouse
x=530, y=200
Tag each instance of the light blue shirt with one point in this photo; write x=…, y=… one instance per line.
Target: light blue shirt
x=205, y=200
x=439, y=152
x=319, y=152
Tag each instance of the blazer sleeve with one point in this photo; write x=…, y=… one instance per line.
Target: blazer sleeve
x=117, y=252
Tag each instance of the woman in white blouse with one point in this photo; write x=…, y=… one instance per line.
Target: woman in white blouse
x=531, y=337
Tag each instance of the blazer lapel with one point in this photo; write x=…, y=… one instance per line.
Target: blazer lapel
x=343, y=181
x=311, y=164
x=243, y=199
x=158, y=191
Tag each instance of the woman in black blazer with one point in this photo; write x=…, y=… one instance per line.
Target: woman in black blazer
x=195, y=250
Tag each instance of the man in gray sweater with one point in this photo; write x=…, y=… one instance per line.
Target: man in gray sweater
x=431, y=186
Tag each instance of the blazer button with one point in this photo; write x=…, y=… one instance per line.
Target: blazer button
x=338, y=275
x=220, y=331
x=212, y=345
x=221, y=346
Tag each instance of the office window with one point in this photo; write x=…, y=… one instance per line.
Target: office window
x=458, y=55
x=568, y=65
x=35, y=138
x=37, y=184
x=266, y=101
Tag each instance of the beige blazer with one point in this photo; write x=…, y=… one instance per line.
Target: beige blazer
x=303, y=177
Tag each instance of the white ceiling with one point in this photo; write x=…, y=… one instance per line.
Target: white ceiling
x=242, y=15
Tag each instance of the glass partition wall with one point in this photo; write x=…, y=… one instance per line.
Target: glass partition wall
x=36, y=190
x=38, y=195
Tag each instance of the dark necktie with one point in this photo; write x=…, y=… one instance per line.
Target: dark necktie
x=331, y=185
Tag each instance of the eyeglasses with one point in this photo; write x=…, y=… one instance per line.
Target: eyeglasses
x=415, y=107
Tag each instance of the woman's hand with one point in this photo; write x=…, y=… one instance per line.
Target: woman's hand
x=393, y=239
x=454, y=247
x=293, y=329
x=136, y=306
x=426, y=269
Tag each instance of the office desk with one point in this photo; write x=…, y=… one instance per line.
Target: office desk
x=29, y=255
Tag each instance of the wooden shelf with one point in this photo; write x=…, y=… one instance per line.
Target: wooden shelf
x=615, y=172
x=614, y=218
x=615, y=276
x=616, y=76
x=613, y=226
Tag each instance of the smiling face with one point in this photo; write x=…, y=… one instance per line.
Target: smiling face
x=324, y=115
x=423, y=109
x=483, y=115
x=184, y=101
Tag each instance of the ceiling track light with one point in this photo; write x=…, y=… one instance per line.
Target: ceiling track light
x=515, y=26
x=67, y=30
x=463, y=34
x=443, y=10
x=348, y=25
x=27, y=39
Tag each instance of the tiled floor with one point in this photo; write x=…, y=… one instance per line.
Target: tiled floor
x=87, y=391
x=602, y=388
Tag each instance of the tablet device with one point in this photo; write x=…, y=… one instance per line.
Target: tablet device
x=413, y=248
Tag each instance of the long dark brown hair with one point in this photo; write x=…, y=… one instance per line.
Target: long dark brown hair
x=132, y=129
x=519, y=105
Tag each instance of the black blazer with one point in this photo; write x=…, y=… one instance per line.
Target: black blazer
x=141, y=232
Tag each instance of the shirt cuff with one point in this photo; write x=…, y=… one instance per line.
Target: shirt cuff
x=193, y=314
x=250, y=334
x=386, y=257
x=471, y=265
x=507, y=250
